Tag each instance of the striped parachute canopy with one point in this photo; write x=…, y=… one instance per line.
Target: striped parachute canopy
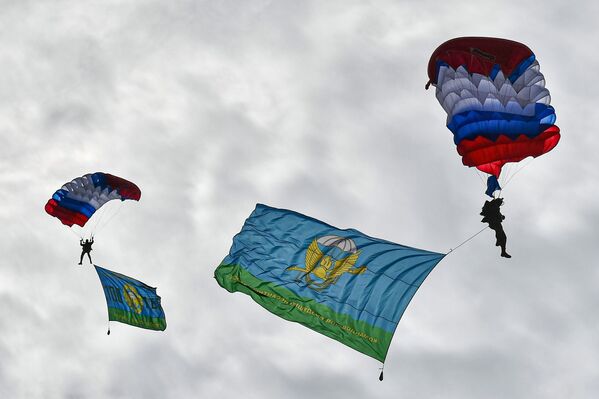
x=79, y=199
x=496, y=101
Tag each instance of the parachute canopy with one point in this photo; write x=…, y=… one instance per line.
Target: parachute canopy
x=496, y=101
x=77, y=200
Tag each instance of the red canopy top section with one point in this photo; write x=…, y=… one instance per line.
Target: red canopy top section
x=125, y=188
x=479, y=55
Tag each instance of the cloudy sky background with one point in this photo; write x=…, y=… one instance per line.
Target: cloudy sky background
x=319, y=107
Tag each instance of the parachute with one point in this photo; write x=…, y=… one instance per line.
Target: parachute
x=78, y=200
x=496, y=101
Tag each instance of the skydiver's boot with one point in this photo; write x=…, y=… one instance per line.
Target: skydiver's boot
x=505, y=254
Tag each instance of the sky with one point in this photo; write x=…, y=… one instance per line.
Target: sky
x=213, y=106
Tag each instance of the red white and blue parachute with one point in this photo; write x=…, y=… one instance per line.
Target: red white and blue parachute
x=496, y=101
x=79, y=199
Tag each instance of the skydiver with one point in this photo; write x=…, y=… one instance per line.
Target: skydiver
x=86, y=247
x=492, y=215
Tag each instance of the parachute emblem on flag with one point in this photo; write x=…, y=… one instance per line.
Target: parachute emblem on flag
x=132, y=298
x=324, y=268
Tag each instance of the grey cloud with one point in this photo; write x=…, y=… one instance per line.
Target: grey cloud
x=212, y=107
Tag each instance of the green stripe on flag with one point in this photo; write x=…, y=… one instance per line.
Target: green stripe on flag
x=359, y=335
x=137, y=320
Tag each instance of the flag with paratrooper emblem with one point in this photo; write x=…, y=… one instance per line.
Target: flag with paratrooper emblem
x=130, y=301
x=341, y=283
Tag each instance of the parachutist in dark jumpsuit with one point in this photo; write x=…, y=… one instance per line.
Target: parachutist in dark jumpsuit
x=493, y=217
x=86, y=247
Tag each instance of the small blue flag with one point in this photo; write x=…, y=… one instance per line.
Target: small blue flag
x=130, y=301
x=492, y=185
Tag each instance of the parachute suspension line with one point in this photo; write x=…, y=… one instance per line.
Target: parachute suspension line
x=466, y=240
x=100, y=215
x=120, y=207
x=505, y=174
x=75, y=234
x=102, y=212
x=518, y=171
x=99, y=227
x=480, y=176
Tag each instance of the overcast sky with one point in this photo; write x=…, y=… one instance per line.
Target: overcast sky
x=314, y=106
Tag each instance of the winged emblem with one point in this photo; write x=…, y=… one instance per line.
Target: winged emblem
x=321, y=269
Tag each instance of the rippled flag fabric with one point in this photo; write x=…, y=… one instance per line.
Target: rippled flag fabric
x=339, y=282
x=130, y=301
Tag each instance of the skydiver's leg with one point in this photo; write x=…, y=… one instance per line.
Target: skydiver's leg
x=90, y=258
x=502, y=241
x=496, y=227
x=81, y=259
x=499, y=237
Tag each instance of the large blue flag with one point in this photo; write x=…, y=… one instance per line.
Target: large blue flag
x=130, y=301
x=341, y=283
